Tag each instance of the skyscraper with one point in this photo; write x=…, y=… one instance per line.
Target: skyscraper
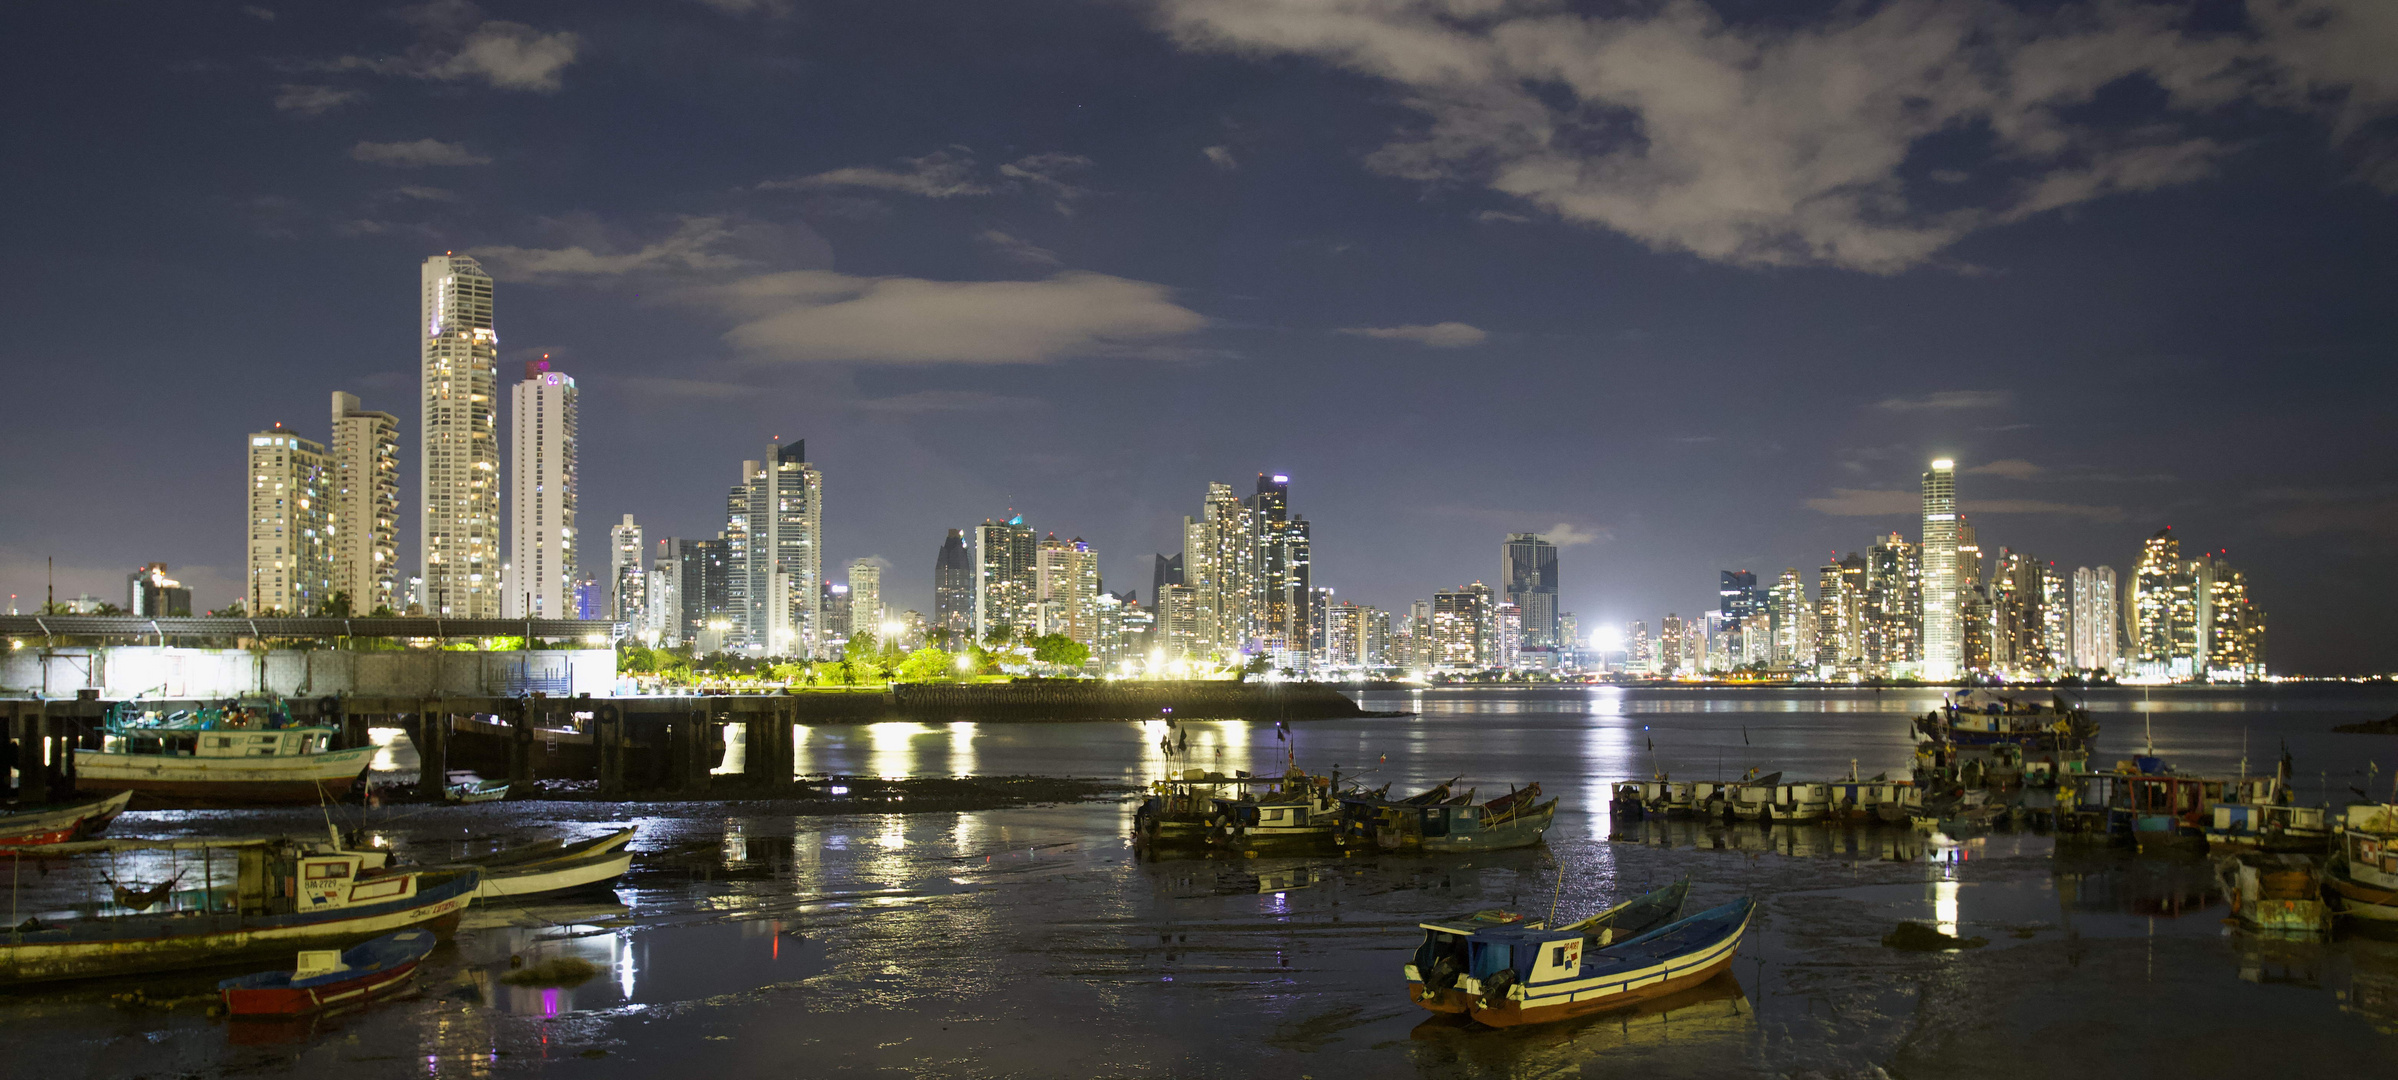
x=953, y=586
x=1219, y=562
x=1006, y=579
x=544, y=552
x=290, y=524
x=628, y=579
x=366, y=504
x=150, y=592
x=779, y=525
x=2165, y=610
x=866, y=598
x=1840, y=617
x=1457, y=635
x=2096, y=621
x=1285, y=570
x=2231, y=628
x=1893, y=608
x=1528, y=579
x=459, y=454
x=1793, y=623
x=700, y=575
x=1066, y=587
x=1943, y=654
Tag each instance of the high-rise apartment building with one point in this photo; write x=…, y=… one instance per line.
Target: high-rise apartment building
x=1793, y=623
x=953, y=587
x=2056, y=616
x=1943, y=652
x=1528, y=579
x=366, y=505
x=2096, y=622
x=2019, y=619
x=2231, y=628
x=291, y=524
x=1177, y=631
x=1669, y=659
x=1893, y=608
x=775, y=528
x=1220, y=552
x=1007, y=595
x=1285, y=569
x=1840, y=617
x=458, y=537
x=866, y=615
x=2164, y=610
x=1640, y=655
x=700, y=575
x=628, y=579
x=1066, y=588
x=1457, y=634
x=544, y=550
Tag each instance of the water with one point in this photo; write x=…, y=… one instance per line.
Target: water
x=1034, y=942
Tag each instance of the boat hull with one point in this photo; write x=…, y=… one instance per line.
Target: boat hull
x=590, y=872
x=1517, y=1014
x=2362, y=901
x=222, y=939
x=38, y=828
x=1451, y=1000
x=286, y=1002
x=302, y=778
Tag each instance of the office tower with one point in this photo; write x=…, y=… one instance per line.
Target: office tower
x=1178, y=623
x=1640, y=655
x=1528, y=579
x=1970, y=565
x=775, y=527
x=1943, y=656
x=1165, y=570
x=1738, y=595
x=662, y=606
x=1893, y=608
x=458, y=456
x=1757, y=640
x=1793, y=623
x=953, y=587
x=291, y=524
x=1507, y=636
x=628, y=579
x=1006, y=579
x=1838, y=630
x=2056, y=618
x=2164, y=610
x=366, y=504
x=1668, y=659
x=1457, y=634
x=1220, y=563
x=2019, y=616
x=1419, y=635
x=2095, y=619
x=698, y=572
x=1976, y=621
x=1066, y=588
x=1344, y=633
x=150, y=592
x=1285, y=573
x=1374, y=646
x=544, y=550
x=833, y=614
x=866, y=599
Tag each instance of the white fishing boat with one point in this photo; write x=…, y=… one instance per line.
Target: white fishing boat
x=1801, y=802
x=1753, y=800
x=238, y=765
x=552, y=868
x=2364, y=871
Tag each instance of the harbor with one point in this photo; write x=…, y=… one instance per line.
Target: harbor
x=806, y=934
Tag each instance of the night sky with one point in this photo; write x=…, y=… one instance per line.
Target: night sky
x=1689, y=287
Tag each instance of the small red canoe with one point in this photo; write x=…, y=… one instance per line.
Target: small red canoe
x=41, y=826
x=325, y=979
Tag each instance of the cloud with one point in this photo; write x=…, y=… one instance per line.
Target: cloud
x=950, y=401
x=776, y=8
x=1566, y=534
x=423, y=193
x=1447, y=335
x=258, y=13
x=458, y=45
x=1018, y=250
x=954, y=173
x=2370, y=511
x=698, y=244
x=312, y=100
x=650, y=386
x=1948, y=399
x=1220, y=157
x=2011, y=468
x=1853, y=502
x=1828, y=142
x=418, y=154
x=817, y=316
x=1492, y=217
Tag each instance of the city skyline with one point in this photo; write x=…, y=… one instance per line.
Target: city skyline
x=1251, y=278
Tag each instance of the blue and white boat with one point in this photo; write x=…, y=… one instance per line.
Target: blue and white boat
x=1526, y=975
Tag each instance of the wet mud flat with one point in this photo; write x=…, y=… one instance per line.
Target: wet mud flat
x=823, y=795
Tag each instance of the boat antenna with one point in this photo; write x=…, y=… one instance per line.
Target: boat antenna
x=1555, y=896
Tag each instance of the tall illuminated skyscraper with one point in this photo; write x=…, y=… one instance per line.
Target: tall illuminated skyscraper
x=628, y=579
x=366, y=504
x=1528, y=579
x=1066, y=586
x=2096, y=622
x=866, y=599
x=1006, y=579
x=290, y=524
x=459, y=455
x=544, y=551
x=1220, y=564
x=953, y=587
x=1943, y=639
x=775, y=526
x=1285, y=601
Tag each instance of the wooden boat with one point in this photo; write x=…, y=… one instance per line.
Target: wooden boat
x=1299, y=812
x=1624, y=800
x=2275, y=892
x=1511, y=821
x=1898, y=800
x=236, y=765
x=1802, y=802
x=1182, y=810
x=2139, y=802
x=1984, y=718
x=2363, y=874
x=287, y=899
x=1752, y=800
x=325, y=978
x=1433, y=969
x=40, y=826
x=2268, y=826
x=1524, y=975
x=555, y=871
x=478, y=791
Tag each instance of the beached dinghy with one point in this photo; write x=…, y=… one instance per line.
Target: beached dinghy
x=40, y=826
x=326, y=978
x=1531, y=976
x=551, y=867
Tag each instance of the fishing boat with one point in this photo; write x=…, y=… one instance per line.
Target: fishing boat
x=2274, y=892
x=40, y=826
x=1434, y=968
x=223, y=764
x=1981, y=717
x=288, y=896
x=2140, y=802
x=1897, y=800
x=1626, y=801
x=1527, y=975
x=1753, y=800
x=478, y=791
x=1300, y=812
x=326, y=978
x=553, y=868
x=1801, y=802
x=1181, y=810
x=1517, y=819
x=2363, y=874
x=2268, y=827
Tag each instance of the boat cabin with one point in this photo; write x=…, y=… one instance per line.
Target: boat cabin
x=220, y=743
